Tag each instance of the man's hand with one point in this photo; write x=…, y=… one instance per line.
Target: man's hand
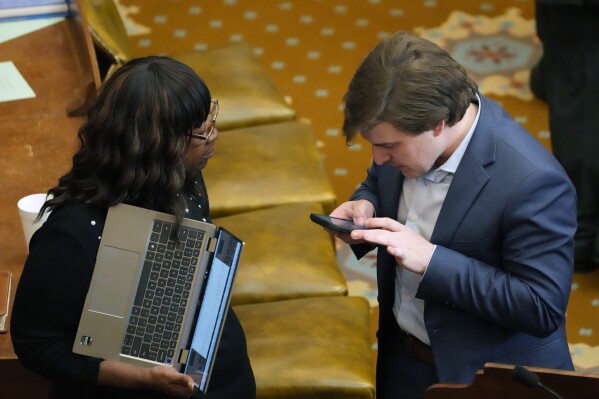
x=358, y=211
x=410, y=250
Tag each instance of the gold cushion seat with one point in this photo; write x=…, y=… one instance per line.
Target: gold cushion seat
x=310, y=348
x=285, y=256
x=264, y=166
x=246, y=94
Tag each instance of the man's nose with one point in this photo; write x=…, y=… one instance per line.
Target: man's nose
x=380, y=155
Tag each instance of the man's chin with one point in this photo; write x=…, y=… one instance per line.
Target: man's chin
x=409, y=174
x=404, y=171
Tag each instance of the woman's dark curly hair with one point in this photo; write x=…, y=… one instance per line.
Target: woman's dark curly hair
x=132, y=145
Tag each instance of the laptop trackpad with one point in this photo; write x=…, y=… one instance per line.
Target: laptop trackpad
x=116, y=276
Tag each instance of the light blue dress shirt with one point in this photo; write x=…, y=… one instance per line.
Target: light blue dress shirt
x=419, y=206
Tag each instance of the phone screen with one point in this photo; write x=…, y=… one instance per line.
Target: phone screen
x=345, y=224
x=336, y=224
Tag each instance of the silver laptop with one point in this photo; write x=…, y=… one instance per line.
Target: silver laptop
x=157, y=299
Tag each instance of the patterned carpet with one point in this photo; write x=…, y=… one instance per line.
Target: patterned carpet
x=312, y=47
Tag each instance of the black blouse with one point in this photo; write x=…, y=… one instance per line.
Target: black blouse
x=50, y=297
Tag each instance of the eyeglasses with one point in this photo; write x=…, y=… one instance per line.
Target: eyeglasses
x=210, y=120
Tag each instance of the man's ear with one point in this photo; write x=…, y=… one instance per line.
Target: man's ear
x=439, y=128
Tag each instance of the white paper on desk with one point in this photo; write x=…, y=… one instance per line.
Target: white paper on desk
x=13, y=85
x=13, y=29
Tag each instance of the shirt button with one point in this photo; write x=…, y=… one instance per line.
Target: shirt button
x=413, y=218
x=409, y=298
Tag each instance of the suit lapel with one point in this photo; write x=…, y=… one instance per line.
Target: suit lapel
x=470, y=177
x=392, y=183
x=464, y=189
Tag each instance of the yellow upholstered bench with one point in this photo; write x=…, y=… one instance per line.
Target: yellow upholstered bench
x=310, y=348
x=264, y=166
x=285, y=256
x=246, y=94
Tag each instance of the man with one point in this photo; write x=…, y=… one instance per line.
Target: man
x=567, y=79
x=474, y=222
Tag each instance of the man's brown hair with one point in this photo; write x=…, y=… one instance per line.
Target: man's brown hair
x=409, y=82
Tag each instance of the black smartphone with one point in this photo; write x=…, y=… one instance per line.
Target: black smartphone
x=336, y=224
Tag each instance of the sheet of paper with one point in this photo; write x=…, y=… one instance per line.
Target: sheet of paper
x=13, y=85
x=12, y=29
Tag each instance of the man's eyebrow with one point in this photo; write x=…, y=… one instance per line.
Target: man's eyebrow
x=384, y=143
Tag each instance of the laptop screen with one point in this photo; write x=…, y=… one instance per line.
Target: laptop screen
x=213, y=308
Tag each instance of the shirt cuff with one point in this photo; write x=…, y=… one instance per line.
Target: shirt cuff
x=429, y=260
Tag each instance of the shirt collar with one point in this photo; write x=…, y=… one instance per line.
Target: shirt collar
x=451, y=165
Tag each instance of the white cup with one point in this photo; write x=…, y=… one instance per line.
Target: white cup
x=29, y=207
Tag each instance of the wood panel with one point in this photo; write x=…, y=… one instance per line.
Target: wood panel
x=37, y=139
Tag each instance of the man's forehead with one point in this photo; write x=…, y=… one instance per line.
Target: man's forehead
x=383, y=132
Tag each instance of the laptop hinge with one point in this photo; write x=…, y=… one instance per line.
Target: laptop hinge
x=211, y=247
x=183, y=356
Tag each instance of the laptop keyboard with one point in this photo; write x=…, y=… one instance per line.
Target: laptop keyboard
x=163, y=293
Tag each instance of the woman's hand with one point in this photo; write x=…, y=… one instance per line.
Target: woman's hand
x=166, y=379
x=159, y=378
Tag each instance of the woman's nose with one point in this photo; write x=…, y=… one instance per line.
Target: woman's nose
x=214, y=135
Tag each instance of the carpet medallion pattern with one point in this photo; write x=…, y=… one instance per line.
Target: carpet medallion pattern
x=498, y=52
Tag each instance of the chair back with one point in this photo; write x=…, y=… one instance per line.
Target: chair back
x=107, y=28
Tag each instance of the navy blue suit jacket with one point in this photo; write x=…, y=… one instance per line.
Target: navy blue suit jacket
x=497, y=286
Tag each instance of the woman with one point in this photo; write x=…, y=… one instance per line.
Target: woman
x=148, y=136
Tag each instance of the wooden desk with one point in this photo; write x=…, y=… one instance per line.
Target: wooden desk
x=496, y=381
x=37, y=139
